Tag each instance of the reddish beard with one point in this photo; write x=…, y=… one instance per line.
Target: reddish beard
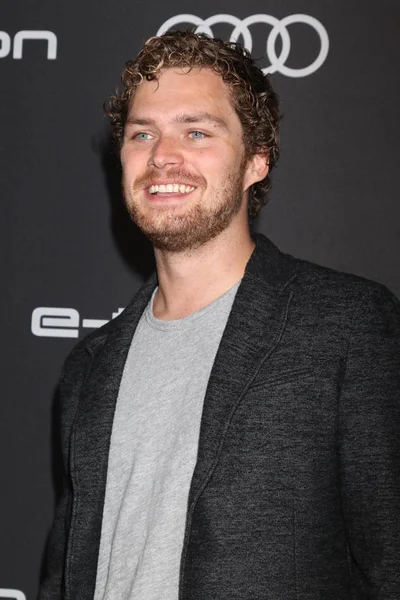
x=198, y=224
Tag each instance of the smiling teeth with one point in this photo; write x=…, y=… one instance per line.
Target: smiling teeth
x=171, y=188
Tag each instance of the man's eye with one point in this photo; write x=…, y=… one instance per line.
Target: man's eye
x=197, y=135
x=141, y=136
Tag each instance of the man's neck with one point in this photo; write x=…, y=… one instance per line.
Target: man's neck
x=191, y=280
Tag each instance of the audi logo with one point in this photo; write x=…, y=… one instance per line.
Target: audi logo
x=279, y=28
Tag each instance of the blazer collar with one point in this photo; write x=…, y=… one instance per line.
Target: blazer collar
x=269, y=265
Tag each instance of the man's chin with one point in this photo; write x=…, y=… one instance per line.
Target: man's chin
x=170, y=231
x=175, y=240
x=187, y=237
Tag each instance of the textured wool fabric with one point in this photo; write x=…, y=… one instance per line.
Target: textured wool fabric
x=296, y=490
x=153, y=452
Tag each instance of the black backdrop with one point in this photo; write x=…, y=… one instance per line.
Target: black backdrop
x=72, y=258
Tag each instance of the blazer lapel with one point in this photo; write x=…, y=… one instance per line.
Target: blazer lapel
x=90, y=446
x=253, y=330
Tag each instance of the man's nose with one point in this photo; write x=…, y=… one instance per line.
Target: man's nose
x=167, y=151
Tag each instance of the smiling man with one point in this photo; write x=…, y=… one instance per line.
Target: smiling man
x=185, y=167
x=234, y=433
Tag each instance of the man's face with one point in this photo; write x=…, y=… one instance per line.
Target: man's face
x=183, y=159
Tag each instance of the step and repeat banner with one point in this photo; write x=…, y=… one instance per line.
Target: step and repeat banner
x=71, y=258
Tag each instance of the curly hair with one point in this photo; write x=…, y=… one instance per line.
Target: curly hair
x=252, y=96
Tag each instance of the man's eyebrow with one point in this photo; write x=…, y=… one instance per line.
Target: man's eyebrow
x=202, y=117
x=138, y=121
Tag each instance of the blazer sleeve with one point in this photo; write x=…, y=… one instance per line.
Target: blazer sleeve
x=369, y=446
x=53, y=572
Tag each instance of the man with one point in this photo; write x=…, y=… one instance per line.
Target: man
x=235, y=432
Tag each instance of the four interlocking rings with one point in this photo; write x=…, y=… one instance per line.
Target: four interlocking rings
x=279, y=28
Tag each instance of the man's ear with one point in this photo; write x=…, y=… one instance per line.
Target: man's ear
x=257, y=168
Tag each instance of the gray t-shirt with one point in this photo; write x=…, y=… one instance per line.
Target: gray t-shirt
x=153, y=452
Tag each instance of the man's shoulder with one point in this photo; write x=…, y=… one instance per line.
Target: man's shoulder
x=316, y=286
x=316, y=276
x=332, y=294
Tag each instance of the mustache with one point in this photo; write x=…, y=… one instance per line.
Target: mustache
x=151, y=178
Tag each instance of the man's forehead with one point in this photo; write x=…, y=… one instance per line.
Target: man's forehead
x=196, y=80
x=183, y=96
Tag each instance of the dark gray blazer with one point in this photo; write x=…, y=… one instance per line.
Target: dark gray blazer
x=296, y=490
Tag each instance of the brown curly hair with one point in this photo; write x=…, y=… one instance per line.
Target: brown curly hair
x=253, y=98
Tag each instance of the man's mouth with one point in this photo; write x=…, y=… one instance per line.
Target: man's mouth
x=170, y=188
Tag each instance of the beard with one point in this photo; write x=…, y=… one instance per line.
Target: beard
x=198, y=224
